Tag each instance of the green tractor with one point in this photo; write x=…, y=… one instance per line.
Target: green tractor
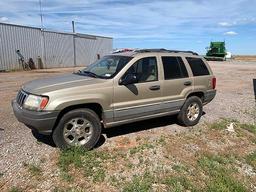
x=216, y=52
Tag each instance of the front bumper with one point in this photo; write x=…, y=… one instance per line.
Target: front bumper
x=41, y=121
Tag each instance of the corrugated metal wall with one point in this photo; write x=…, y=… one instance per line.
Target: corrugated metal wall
x=55, y=49
x=88, y=48
x=59, y=49
x=22, y=38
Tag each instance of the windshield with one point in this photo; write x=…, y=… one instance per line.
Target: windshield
x=107, y=67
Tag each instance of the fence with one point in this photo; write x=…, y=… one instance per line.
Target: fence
x=54, y=48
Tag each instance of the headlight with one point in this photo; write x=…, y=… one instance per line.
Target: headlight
x=34, y=102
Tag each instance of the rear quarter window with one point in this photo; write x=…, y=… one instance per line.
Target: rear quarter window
x=197, y=66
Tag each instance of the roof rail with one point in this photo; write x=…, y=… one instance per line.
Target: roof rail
x=164, y=50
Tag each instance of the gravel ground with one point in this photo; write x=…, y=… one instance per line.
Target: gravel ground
x=235, y=99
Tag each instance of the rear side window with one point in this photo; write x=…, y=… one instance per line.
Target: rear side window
x=197, y=66
x=174, y=68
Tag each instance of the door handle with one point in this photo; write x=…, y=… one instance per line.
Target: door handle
x=187, y=83
x=154, y=87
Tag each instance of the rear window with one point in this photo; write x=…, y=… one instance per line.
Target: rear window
x=174, y=68
x=197, y=66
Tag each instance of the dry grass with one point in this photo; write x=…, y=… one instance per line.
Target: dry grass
x=245, y=57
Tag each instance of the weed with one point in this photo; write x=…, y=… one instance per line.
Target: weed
x=67, y=177
x=141, y=148
x=251, y=159
x=120, y=154
x=15, y=189
x=179, y=168
x=213, y=161
x=129, y=165
x=141, y=160
x=221, y=124
x=162, y=141
x=71, y=156
x=249, y=127
x=39, y=143
x=92, y=165
x=220, y=178
x=254, y=141
x=99, y=175
x=223, y=182
x=114, y=181
x=35, y=170
x=179, y=184
x=89, y=161
x=1, y=174
x=140, y=183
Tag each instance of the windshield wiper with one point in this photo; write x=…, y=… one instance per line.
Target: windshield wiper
x=89, y=73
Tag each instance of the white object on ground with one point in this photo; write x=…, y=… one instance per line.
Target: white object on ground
x=230, y=127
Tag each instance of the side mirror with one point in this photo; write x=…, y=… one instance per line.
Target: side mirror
x=129, y=78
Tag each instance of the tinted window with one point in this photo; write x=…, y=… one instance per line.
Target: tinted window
x=145, y=69
x=174, y=68
x=197, y=66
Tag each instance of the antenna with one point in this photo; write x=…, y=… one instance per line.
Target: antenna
x=74, y=42
x=42, y=34
x=41, y=14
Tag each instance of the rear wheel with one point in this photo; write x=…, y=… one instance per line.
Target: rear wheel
x=80, y=127
x=191, y=111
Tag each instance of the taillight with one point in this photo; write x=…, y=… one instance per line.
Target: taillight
x=213, y=82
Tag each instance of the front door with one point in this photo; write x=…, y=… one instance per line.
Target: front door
x=142, y=98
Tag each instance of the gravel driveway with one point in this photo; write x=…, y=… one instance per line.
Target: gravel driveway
x=235, y=99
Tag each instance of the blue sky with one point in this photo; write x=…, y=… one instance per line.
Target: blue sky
x=172, y=24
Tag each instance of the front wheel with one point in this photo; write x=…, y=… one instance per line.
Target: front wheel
x=79, y=127
x=191, y=111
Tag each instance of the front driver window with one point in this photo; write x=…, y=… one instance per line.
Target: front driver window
x=145, y=69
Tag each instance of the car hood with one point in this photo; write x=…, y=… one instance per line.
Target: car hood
x=42, y=86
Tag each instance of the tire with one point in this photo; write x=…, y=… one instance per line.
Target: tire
x=184, y=117
x=82, y=128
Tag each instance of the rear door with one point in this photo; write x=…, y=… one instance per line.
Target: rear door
x=177, y=82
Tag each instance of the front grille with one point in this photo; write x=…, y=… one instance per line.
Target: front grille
x=21, y=97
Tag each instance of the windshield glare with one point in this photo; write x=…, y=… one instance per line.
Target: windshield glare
x=108, y=66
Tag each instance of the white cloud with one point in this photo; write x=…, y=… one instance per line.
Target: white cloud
x=238, y=22
x=3, y=19
x=231, y=33
x=225, y=24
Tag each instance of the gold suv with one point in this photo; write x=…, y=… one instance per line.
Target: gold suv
x=120, y=88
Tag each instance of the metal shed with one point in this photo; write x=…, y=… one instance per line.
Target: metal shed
x=56, y=49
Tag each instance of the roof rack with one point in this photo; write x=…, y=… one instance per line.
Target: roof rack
x=164, y=50
x=122, y=50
